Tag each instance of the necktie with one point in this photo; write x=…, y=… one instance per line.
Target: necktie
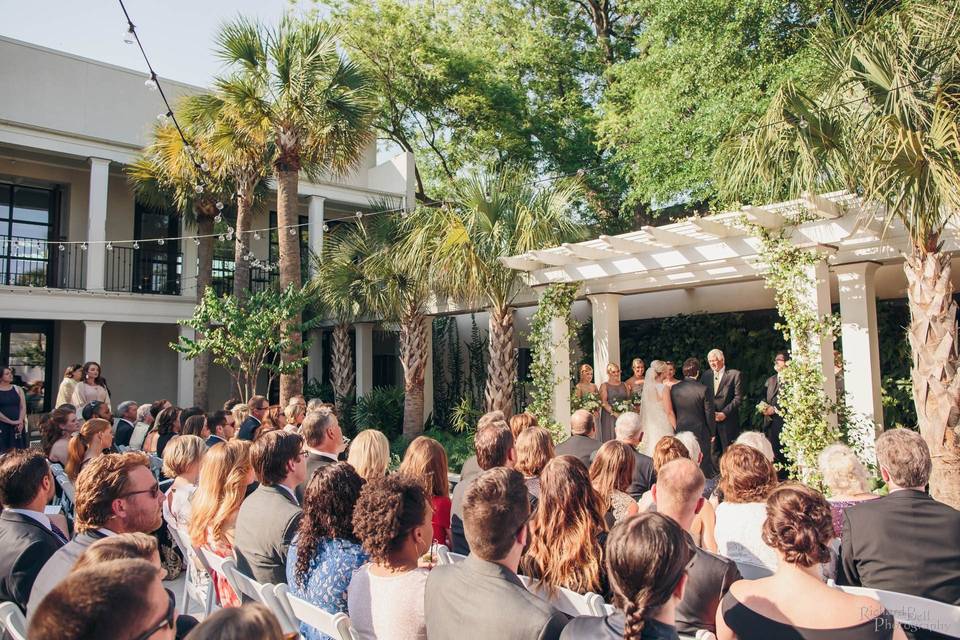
x=57, y=532
x=716, y=383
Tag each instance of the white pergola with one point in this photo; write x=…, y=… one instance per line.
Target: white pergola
x=715, y=249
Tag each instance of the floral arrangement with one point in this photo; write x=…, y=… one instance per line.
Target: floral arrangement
x=636, y=396
x=588, y=401
x=622, y=406
x=762, y=407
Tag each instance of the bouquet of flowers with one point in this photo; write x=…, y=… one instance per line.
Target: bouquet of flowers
x=636, y=396
x=621, y=406
x=588, y=401
x=762, y=408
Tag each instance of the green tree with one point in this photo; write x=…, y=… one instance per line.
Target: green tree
x=881, y=120
x=317, y=107
x=492, y=214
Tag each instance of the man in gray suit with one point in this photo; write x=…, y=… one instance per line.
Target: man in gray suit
x=482, y=597
x=323, y=442
x=115, y=494
x=582, y=442
x=269, y=517
x=694, y=409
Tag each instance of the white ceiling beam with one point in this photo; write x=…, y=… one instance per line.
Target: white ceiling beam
x=591, y=253
x=667, y=237
x=555, y=259
x=520, y=263
x=624, y=244
x=764, y=218
x=713, y=227
x=823, y=207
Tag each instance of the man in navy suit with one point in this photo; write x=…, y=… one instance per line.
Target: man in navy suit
x=258, y=408
x=221, y=429
x=27, y=537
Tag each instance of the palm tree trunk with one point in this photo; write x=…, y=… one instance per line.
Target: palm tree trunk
x=291, y=384
x=201, y=364
x=241, y=267
x=502, y=369
x=936, y=385
x=341, y=363
x=413, y=358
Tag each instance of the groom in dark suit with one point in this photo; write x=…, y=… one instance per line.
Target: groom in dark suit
x=772, y=420
x=725, y=389
x=694, y=409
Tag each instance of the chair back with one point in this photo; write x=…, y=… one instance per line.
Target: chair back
x=335, y=625
x=12, y=621
x=156, y=465
x=751, y=571
x=569, y=602
x=212, y=563
x=915, y=611
x=265, y=594
x=445, y=556
x=67, y=494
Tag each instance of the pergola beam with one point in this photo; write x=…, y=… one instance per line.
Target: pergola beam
x=713, y=227
x=667, y=237
x=764, y=218
x=591, y=253
x=624, y=244
x=520, y=263
x=823, y=207
x=555, y=259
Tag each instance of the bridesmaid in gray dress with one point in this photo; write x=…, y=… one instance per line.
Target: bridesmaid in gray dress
x=611, y=391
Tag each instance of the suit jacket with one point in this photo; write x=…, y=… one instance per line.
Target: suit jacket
x=58, y=566
x=694, y=409
x=476, y=599
x=458, y=539
x=314, y=462
x=904, y=542
x=25, y=546
x=123, y=433
x=266, y=524
x=470, y=469
x=247, y=428
x=709, y=577
x=214, y=440
x=643, y=474
x=579, y=446
x=726, y=400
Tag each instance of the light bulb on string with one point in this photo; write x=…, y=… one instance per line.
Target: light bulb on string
x=62, y=248
x=326, y=227
x=196, y=241
x=109, y=246
x=151, y=83
x=293, y=231
x=136, y=245
x=198, y=188
x=83, y=247
x=218, y=218
x=256, y=235
x=359, y=214
x=128, y=35
x=204, y=166
x=219, y=206
x=221, y=237
x=803, y=123
x=161, y=242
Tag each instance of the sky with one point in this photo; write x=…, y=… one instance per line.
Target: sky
x=177, y=34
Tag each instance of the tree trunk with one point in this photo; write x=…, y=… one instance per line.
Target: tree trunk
x=413, y=358
x=241, y=266
x=502, y=369
x=201, y=364
x=936, y=385
x=291, y=384
x=341, y=363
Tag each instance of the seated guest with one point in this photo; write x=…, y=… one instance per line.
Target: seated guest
x=493, y=443
x=323, y=441
x=221, y=429
x=610, y=474
x=567, y=531
x=115, y=493
x=181, y=461
x=646, y=561
x=293, y=415
x=794, y=602
x=895, y=543
x=123, y=546
x=142, y=427
x=426, y=459
x=273, y=420
x=534, y=450
x=261, y=544
x=582, y=442
x=189, y=412
x=256, y=411
x=470, y=467
x=93, y=438
x=196, y=425
x=126, y=417
x=668, y=449
x=746, y=479
x=370, y=454
x=521, y=421
x=325, y=552
x=482, y=597
x=166, y=426
x=56, y=432
x=252, y=620
x=225, y=474
x=27, y=537
x=385, y=597
x=704, y=525
x=96, y=409
x=846, y=481
x=678, y=494
x=758, y=441
x=115, y=600
x=629, y=430
x=240, y=413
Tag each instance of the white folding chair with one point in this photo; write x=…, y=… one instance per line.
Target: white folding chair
x=12, y=621
x=751, y=571
x=569, y=602
x=915, y=611
x=156, y=465
x=213, y=564
x=200, y=593
x=66, y=488
x=445, y=556
x=265, y=594
x=335, y=625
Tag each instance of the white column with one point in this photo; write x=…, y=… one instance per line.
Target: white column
x=364, y=349
x=818, y=298
x=315, y=226
x=92, y=340
x=97, y=223
x=315, y=354
x=190, y=269
x=185, y=372
x=560, y=358
x=861, y=350
x=428, y=370
x=606, y=333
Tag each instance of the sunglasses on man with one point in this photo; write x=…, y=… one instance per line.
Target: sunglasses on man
x=169, y=619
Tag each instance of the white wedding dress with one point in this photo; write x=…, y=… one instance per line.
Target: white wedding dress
x=654, y=418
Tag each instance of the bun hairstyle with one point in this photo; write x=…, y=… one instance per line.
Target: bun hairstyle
x=798, y=524
x=647, y=556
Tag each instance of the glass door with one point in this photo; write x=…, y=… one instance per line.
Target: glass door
x=26, y=224
x=25, y=346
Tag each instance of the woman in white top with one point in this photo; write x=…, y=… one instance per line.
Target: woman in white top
x=746, y=479
x=656, y=407
x=181, y=461
x=68, y=385
x=392, y=519
x=92, y=386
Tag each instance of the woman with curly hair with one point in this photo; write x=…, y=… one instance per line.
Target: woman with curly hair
x=534, y=449
x=746, y=479
x=56, y=432
x=326, y=552
x=794, y=602
x=647, y=558
x=567, y=531
x=426, y=459
x=610, y=474
x=846, y=479
x=385, y=598
x=166, y=426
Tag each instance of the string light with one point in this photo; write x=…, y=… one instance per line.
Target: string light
x=151, y=83
x=83, y=247
x=256, y=235
x=293, y=231
x=219, y=206
x=161, y=242
x=109, y=246
x=128, y=35
x=62, y=248
x=218, y=218
x=136, y=245
x=196, y=241
x=359, y=214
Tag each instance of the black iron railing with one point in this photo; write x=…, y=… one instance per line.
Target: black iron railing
x=222, y=282
x=145, y=270
x=28, y=262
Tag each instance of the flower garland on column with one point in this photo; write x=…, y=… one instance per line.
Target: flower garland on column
x=556, y=302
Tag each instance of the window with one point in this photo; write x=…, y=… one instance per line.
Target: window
x=157, y=265
x=26, y=224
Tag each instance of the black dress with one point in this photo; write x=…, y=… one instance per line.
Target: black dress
x=10, y=408
x=747, y=624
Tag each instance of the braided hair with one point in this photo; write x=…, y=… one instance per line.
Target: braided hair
x=647, y=556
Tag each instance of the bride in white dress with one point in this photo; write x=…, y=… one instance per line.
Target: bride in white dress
x=656, y=409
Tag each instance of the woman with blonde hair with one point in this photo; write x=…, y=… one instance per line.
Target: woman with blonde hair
x=225, y=474
x=635, y=382
x=521, y=421
x=370, y=454
x=293, y=415
x=567, y=531
x=534, y=449
x=610, y=474
x=612, y=392
x=72, y=375
x=181, y=461
x=656, y=407
x=89, y=442
x=846, y=479
x=426, y=458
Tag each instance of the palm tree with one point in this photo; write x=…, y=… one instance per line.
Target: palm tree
x=318, y=109
x=493, y=214
x=166, y=173
x=882, y=121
